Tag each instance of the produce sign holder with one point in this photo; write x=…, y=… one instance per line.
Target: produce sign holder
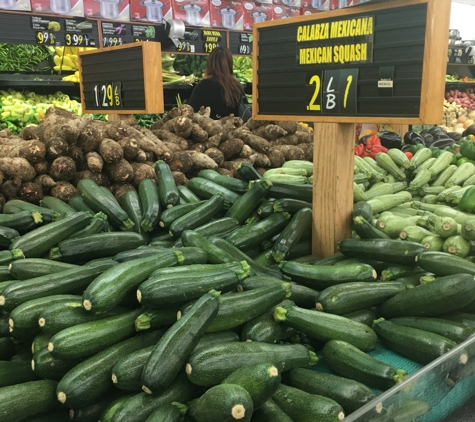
x=122, y=80
x=383, y=62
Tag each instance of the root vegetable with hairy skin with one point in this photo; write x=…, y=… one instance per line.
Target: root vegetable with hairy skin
x=33, y=151
x=61, y=123
x=110, y=151
x=276, y=157
x=231, y=147
x=120, y=172
x=116, y=130
x=198, y=134
x=181, y=161
x=119, y=189
x=17, y=166
x=187, y=110
x=180, y=178
x=246, y=151
x=212, y=127
x=216, y=155
x=173, y=147
x=290, y=152
x=261, y=160
x=31, y=192
x=89, y=139
x=78, y=156
x=56, y=147
x=28, y=133
x=307, y=150
x=256, y=142
x=252, y=124
x=10, y=188
x=45, y=180
x=174, y=112
x=141, y=156
x=41, y=167
x=2, y=202
x=100, y=178
x=198, y=148
x=142, y=171
x=233, y=165
x=202, y=161
x=63, y=169
x=95, y=163
x=2, y=178
x=270, y=132
x=64, y=191
x=225, y=172
x=290, y=127
x=304, y=137
x=214, y=141
x=286, y=140
x=168, y=136
x=130, y=148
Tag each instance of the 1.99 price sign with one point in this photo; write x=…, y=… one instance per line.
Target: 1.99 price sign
x=333, y=92
x=107, y=95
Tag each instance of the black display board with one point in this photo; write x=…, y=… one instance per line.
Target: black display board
x=198, y=41
x=240, y=43
x=362, y=64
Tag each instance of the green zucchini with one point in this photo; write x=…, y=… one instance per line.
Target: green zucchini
x=148, y=195
x=254, y=234
x=222, y=403
x=366, y=231
x=7, y=348
x=304, y=407
x=452, y=330
x=212, y=365
x=6, y=257
x=71, y=281
x=387, y=250
x=247, y=203
x=37, y=242
x=217, y=227
x=173, y=349
x=325, y=327
x=319, y=277
x=210, y=339
x=5, y=274
x=132, y=205
x=409, y=410
x=78, y=204
x=40, y=342
x=110, y=410
x=15, y=372
x=270, y=412
x=205, y=189
x=94, y=410
x=168, y=216
x=198, y=216
x=236, y=185
x=418, y=345
x=4, y=327
x=98, y=224
x=14, y=206
x=349, y=394
x=22, y=401
x=215, y=254
x=247, y=172
x=101, y=245
x=395, y=271
x=461, y=317
x=85, y=339
x=457, y=245
x=107, y=290
x=168, y=412
x=140, y=252
x=7, y=235
x=355, y=296
x=58, y=416
x=281, y=190
x=350, y=362
x=266, y=208
x=153, y=318
x=181, y=287
x=433, y=243
x=98, y=200
x=24, y=269
x=127, y=372
x=24, y=318
x=57, y=206
x=167, y=190
x=290, y=205
x=47, y=366
x=186, y=194
x=363, y=209
x=24, y=221
x=90, y=379
x=440, y=296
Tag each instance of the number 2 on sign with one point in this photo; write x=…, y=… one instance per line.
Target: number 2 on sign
x=347, y=90
x=315, y=79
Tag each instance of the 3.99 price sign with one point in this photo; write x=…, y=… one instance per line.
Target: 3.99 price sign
x=107, y=95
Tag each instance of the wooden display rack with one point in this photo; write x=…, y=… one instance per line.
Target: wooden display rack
x=395, y=74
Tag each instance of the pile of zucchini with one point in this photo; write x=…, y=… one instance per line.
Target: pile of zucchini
x=203, y=303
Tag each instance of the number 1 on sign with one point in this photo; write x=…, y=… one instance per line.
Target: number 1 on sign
x=347, y=90
x=315, y=79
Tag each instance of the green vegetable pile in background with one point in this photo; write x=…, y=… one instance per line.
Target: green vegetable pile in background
x=190, y=64
x=21, y=57
x=243, y=68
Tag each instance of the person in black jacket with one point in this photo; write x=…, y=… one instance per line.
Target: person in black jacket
x=219, y=89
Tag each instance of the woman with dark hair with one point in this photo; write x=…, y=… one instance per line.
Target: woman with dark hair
x=219, y=89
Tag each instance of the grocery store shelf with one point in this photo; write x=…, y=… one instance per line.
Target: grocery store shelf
x=459, y=84
x=461, y=64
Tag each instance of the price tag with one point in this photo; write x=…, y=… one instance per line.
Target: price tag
x=110, y=41
x=314, y=87
x=245, y=49
x=208, y=47
x=45, y=38
x=331, y=91
x=107, y=95
x=76, y=40
x=185, y=47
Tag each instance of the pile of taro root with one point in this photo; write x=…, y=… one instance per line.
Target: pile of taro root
x=50, y=159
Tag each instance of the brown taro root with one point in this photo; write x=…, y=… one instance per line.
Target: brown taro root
x=17, y=166
x=64, y=191
x=120, y=172
x=202, y=161
x=270, y=132
x=2, y=178
x=215, y=140
x=130, y=148
x=172, y=147
x=304, y=137
x=10, y=188
x=56, y=147
x=261, y=170
x=95, y=162
x=5, y=133
x=187, y=110
x=286, y=140
x=231, y=147
x=28, y=133
x=147, y=141
x=261, y=160
x=290, y=152
x=141, y=156
x=225, y=172
x=62, y=169
x=252, y=124
x=62, y=124
x=212, y=127
x=119, y=189
x=180, y=125
x=233, y=165
x=100, y=178
x=142, y=171
x=110, y=151
x=89, y=139
x=116, y=130
x=290, y=127
x=307, y=150
x=181, y=161
x=168, y=136
x=78, y=156
x=31, y=192
x=198, y=147
x=246, y=151
x=216, y=155
x=42, y=167
x=198, y=134
x=276, y=157
x=180, y=178
x=257, y=143
x=2, y=202
x=174, y=112
x=33, y=151
x=45, y=180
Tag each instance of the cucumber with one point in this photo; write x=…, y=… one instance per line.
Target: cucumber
x=85, y=339
x=15, y=372
x=24, y=221
x=140, y=406
x=99, y=200
x=319, y=277
x=24, y=269
x=440, y=296
x=152, y=318
x=304, y=407
x=90, y=379
x=101, y=245
x=167, y=190
x=249, y=201
x=349, y=394
x=387, y=250
x=355, y=296
x=127, y=372
x=173, y=349
x=183, y=286
x=222, y=403
x=22, y=401
x=270, y=412
x=325, y=327
x=350, y=362
x=365, y=316
x=47, y=366
x=68, y=281
x=37, y=242
x=168, y=412
x=418, y=345
x=452, y=330
x=186, y=194
x=57, y=206
x=168, y=216
x=212, y=365
x=24, y=318
x=109, y=412
x=149, y=201
x=236, y=185
x=132, y=205
x=107, y=290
